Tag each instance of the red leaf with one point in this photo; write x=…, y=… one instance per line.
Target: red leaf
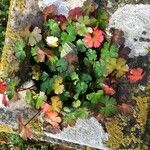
x=62, y=21
x=75, y=13
x=3, y=87
x=3, y=139
x=25, y=132
x=125, y=108
x=60, y=18
x=136, y=75
x=46, y=108
x=108, y=90
x=4, y=100
x=49, y=12
x=95, y=39
x=53, y=118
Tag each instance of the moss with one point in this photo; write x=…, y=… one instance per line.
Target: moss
x=21, y=5
x=141, y=112
x=4, y=128
x=36, y=125
x=8, y=58
x=115, y=134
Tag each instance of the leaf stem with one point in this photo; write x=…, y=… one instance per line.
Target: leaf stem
x=32, y=117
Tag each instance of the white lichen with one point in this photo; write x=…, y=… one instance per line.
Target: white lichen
x=134, y=20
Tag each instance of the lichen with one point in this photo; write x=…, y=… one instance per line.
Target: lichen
x=123, y=134
x=36, y=125
x=141, y=111
x=4, y=128
x=16, y=28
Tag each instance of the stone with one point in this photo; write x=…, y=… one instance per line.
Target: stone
x=134, y=20
x=63, y=6
x=88, y=132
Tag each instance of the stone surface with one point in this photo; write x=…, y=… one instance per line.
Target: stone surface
x=88, y=132
x=63, y=6
x=134, y=20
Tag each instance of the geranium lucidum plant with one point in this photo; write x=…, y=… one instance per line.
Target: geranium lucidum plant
x=73, y=65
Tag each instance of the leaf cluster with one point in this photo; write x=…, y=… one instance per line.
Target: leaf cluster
x=69, y=76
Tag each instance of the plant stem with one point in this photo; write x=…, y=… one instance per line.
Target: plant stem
x=33, y=117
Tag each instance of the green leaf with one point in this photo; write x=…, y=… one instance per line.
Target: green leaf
x=95, y=97
x=69, y=35
x=33, y=51
x=19, y=49
x=69, y=119
x=89, y=6
x=86, y=78
x=66, y=109
x=81, y=87
x=82, y=26
x=40, y=100
x=67, y=48
x=91, y=57
x=29, y=98
x=76, y=103
x=82, y=29
x=47, y=85
x=103, y=18
x=110, y=106
x=75, y=77
x=82, y=113
x=109, y=51
x=99, y=68
x=81, y=46
x=44, y=76
x=61, y=65
x=12, y=87
x=64, y=96
x=53, y=28
x=86, y=20
x=35, y=36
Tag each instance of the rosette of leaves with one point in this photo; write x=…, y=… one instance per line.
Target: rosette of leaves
x=71, y=74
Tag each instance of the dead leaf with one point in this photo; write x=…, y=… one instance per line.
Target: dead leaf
x=49, y=128
x=49, y=12
x=108, y=90
x=41, y=55
x=3, y=139
x=25, y=132
x=125, y=108
x=117, y=37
